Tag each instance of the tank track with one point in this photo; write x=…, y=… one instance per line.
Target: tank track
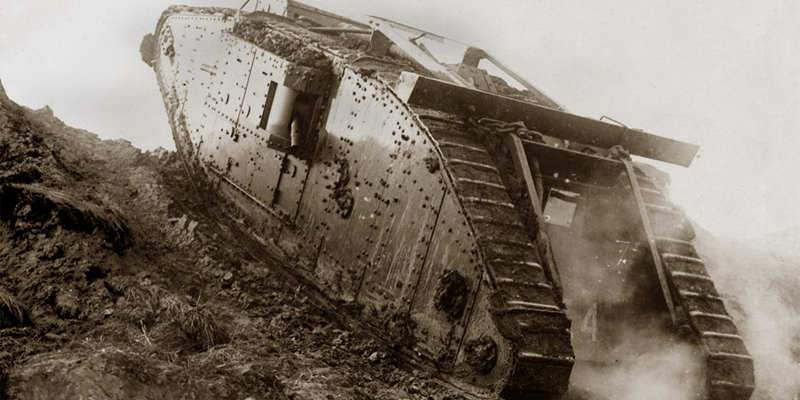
x=525, y=307
x=729, y=367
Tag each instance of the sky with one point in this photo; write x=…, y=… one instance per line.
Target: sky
x=721, y=74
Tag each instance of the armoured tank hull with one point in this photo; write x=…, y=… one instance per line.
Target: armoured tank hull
x=444, y=205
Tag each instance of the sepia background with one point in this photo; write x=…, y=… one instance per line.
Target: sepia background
x=721, y=74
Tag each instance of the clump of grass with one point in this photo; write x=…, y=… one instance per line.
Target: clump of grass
x=12, y=312
x=154, y=306
x=143, y=304
x=202, y=327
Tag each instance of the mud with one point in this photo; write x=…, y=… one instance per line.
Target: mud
x=256, y=30
x=432, y=163
x=481, y=354
x=120, y=279
x=28, y=207
x=12, y=313
x=148, y=49
x=451, y=294
x=343, y=195
x=292, y=41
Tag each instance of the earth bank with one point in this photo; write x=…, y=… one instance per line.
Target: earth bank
x=121, y=280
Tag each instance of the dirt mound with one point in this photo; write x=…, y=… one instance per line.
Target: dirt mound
x=257, y=31
x=29, y=207
x=114, y=373
x=118, y=279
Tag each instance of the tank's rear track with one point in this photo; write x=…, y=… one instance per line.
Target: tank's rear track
x=729, y=367
x=530, y=303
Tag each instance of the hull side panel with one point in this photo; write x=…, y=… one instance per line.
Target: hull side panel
x=379, y=219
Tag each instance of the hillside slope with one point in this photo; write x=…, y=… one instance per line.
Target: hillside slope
x=120, y=280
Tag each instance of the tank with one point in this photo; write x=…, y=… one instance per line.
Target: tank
x=450, y=206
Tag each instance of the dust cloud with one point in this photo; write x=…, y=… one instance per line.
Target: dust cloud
x=625, y=345
x=647, y=365
x=759, y=280
x=638, y=359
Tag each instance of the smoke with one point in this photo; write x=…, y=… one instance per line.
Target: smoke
x=624, y=344
x=760, y=280
x=644, y=362
x=646, y=365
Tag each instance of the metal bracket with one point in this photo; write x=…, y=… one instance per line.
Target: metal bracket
x=523, y=171
x=624, y=134
x=379, y=44
x=648, y=229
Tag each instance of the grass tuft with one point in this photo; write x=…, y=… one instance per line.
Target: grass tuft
x=156, y=307
x=202, y=327
x=12, y=312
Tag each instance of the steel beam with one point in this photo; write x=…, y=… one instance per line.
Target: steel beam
x=442, y=96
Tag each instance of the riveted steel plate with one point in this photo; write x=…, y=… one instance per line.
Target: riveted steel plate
x=452, y=248
x=354, y=155
x=207, y=69
x=266, y=68
x=235, y=75
x=406, y=219
x=290, y=186
x=265, y=176
x=215, y=148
